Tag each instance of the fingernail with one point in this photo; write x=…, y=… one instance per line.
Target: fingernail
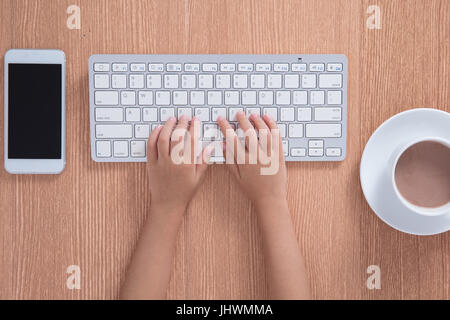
x=220, y=118
x=239, y=113
x=172, y=119
x=183, y=117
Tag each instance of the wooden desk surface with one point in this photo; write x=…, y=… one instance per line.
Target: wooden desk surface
x=91, y=214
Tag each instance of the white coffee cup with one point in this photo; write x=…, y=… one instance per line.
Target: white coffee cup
x=423, y=211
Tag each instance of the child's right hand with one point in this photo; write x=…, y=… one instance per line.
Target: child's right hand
x=261, y=189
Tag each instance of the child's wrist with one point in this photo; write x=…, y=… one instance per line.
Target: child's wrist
x=168, y=210
x=270, y=203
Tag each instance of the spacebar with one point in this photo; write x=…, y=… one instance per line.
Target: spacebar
x=113, y=131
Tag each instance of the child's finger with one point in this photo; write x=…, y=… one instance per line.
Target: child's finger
x=203, y=159
x=263, y=130
x=152, y=150
x=164, y=138
x=247, y=127
x=194, y=143
x=230, y=138
x=180, y=129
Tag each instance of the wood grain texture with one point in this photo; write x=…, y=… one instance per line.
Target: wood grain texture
x=91, y=214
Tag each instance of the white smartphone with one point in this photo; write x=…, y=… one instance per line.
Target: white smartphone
x=35, y=111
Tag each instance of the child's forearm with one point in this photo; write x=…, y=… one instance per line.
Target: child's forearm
x=285, y=266
x=149, y=272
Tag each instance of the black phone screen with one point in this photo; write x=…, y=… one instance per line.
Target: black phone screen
x=34, y=111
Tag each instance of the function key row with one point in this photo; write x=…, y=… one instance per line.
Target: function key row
x=223, y=67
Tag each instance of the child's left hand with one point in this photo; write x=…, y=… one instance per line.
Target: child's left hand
x=173, y=185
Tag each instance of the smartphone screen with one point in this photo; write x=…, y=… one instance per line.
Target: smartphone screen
x=34, y=111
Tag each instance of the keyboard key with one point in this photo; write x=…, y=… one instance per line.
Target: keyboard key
x=136, y=81
x=145, y=98
x=103, y=149
x=240, y=81
x=209, y=67
x=285, y=147
x=216, y=112
x=188, y=81
x=120, y=67
x=119, y=81
x=296, y=130
x=128, y=98
x=211, y=131
x=281, y=67
x=308, y=81
x=162, y=98
x=156, y=67
x=205, y=81
x=191, y=67
x=245, y=67
x=227, y=67
x=231, y=98
x=154, y=81
x=138, y=149
x=274, y=81
x=334, y=67
x=282, y=128
x=121, y=149
x=109, y=114
x=150, y=114
x=214, y=97
x=300, y=97
x=263, y=67
x=137, y=67
x=171, y=81
x=331, y=81
x=223, y=81
x=166, y=113
x=291, y=81
x=180, y=98
x=232, y=113
x=257, y=81
x=101, y=67
x=317, y=97
x=133, y=114
x=315, y=143
x=114, y=131
x=103, y=98
x=265, y=97
x=101, y=81
x=197, y=98
x=333, y=152
x=272, y=112
x=283, y=97
x=248, y=97
x=287, y=114
x=185, y=112
x=141, y=131
x=299, y=67
x=325, y=130
x=327, y=114
x=304, y=114
x=316, y=67
x=202, y=114
x=298, y=152
x=173, y=67
x=334, y=97
x=314, y=152
x=250, y=111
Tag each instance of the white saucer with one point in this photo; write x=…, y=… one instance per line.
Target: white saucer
x=376, y=174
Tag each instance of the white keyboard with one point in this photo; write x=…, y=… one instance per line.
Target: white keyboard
x=130, y=95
